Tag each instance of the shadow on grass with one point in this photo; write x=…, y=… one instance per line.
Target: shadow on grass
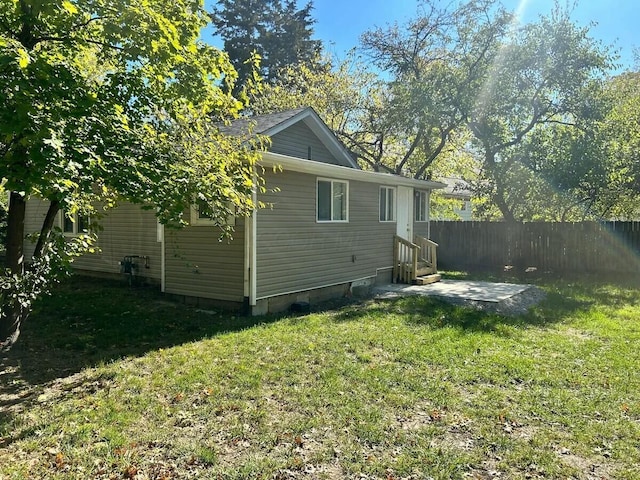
x=86, y=322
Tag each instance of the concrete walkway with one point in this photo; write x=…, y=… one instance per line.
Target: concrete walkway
x=457, y=289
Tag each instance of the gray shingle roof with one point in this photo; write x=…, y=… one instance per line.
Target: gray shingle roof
x=260, y=124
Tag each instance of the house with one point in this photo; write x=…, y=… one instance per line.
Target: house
x=458, y=195
x=332, y=229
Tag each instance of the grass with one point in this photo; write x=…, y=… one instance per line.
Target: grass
x=113, y=383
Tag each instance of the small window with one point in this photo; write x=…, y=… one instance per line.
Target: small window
x=387, y=204
x=204, y=210
x=75, y=224
x=332, y=201
x=420, y=206
x=202, y=214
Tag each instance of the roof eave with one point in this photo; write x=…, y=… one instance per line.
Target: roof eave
x=343, y=173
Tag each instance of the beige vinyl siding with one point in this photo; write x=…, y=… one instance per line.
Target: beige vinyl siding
x=199, y=265
x=34, y=216
x=295, y=253
x=125, y=230
x=295, y=142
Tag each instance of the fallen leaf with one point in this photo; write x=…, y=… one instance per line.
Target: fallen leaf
x=130, y=472
x=178, y=397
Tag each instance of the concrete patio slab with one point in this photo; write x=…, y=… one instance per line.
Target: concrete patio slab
x=456, y=289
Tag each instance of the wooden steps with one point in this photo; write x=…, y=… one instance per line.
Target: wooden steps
x=423, y=269
x=414, y=263
x=427, y=279
x=424, y=273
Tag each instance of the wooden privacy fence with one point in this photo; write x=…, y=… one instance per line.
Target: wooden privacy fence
x=549, y=247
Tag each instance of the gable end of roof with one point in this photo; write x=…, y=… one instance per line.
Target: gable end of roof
x=273, y=123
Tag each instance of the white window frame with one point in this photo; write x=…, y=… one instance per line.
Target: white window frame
x=333, y=219
x=421, y=206
x=198, y=221
x=389, y=215
x=74, y=223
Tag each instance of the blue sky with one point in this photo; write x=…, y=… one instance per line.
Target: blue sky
x=341, y=22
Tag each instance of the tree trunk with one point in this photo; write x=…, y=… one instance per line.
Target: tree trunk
x=11, y=320
x=12, y=314
x=47, y=225
x=15, y=233
x=498, y=196
x=501, y=203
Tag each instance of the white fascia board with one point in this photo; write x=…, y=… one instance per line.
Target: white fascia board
x=270, y=160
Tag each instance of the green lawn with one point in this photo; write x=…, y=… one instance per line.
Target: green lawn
x=111, y=382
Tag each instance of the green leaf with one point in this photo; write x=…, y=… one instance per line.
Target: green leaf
x=23, y=59
x=69, y=7
x=88, y=123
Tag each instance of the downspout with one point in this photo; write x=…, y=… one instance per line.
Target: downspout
x=160, y=238
x=253, y=247
x=429, y=214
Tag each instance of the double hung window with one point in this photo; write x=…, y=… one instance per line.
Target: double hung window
x=420, y=206
x=332, y=201
x=75, y=224
x=387, y=204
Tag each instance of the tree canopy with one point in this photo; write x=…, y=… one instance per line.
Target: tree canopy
x=471, y=67
x=277, y=31
x=620, y=132
x=106, y=100
x=437, y=64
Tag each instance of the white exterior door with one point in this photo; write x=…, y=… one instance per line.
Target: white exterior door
x=404, y=220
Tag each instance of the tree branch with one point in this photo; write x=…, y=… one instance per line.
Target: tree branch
x=84, y=24
x=414, y=144
x=535, y=119
x=554, y=121
x=47, y=225
x=365, y=147
x=444, y=134
x=78, y=40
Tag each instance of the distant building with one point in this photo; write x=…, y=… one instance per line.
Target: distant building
x=457, y=192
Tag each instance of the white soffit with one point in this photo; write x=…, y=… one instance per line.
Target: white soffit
x=270, y=160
